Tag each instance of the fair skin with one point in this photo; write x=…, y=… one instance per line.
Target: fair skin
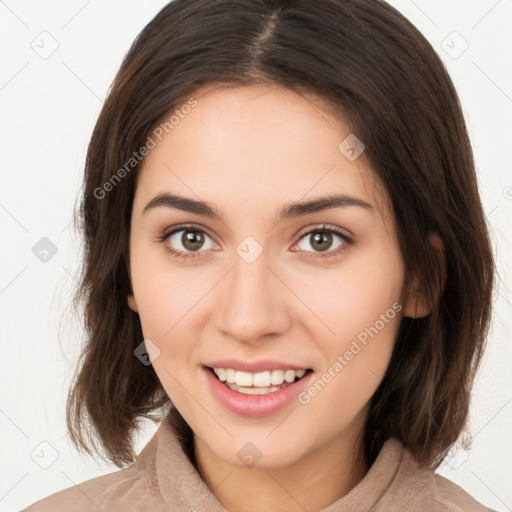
x=249, y=152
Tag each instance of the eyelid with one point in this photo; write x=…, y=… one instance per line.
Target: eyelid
x=319, y=227
x=342, y=231
x=180, y=227
x=347, y=239
x=184, y=227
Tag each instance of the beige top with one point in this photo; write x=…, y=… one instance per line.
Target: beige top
x=163, y=479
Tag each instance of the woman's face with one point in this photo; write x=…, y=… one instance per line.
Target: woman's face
x=252, y=286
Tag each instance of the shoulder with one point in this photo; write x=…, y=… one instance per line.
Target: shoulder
x=106, y=492
x=455, y=498
x=132, y=488
x=427, y=490
x=84, y=496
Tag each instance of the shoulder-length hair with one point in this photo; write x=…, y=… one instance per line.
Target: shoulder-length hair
x=383, y=78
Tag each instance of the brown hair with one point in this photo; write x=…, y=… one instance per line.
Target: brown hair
x=380, y=74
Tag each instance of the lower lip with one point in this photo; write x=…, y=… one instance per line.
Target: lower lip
x=255, y=405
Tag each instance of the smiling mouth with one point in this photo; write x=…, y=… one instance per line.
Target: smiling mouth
x=254, y=389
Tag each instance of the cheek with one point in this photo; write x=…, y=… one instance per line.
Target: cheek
x=355, y=360
x=363, y=309
x=353, y=296
x=164, y=292
x=346, y=298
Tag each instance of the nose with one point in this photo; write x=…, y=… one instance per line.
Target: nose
x=252, y=302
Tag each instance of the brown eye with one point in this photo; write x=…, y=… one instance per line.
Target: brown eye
x=321, y=240
x=186, y=241
x=192, y=240
x=326, y=241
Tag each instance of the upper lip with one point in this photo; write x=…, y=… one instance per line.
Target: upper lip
x=254, y=366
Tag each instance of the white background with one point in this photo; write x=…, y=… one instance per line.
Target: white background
x=49, y=107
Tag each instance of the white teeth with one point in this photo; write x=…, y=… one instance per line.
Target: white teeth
x=256, y=390
x=243, y=378
x=277, y=377
x=221, y=373
x=260, y=379
x=289, y=375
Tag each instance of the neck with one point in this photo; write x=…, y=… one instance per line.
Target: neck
x=312, y=482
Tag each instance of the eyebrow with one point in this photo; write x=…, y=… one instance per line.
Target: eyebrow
x=290, y=210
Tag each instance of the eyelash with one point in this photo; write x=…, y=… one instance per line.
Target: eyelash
x=347, y=242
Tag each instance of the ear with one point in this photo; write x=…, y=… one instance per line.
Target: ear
x=416, y=305
x=132, y=303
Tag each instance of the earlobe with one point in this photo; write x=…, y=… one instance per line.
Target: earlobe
x=438, y=245
x=132, y=303
x=416, y=305
x=131, y=299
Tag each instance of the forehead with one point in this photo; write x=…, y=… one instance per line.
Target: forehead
x=262, y=145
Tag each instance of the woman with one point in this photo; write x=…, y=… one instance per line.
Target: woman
x=286, y=258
